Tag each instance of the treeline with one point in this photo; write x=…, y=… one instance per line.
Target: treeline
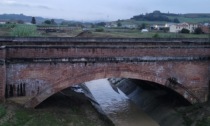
x=156, y=16
x=196, y=15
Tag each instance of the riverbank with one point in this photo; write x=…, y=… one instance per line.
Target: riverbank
x=55, y=111
x=76, y=110
x=195, y=115
x=164, y=106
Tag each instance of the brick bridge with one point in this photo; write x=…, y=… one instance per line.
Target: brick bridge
x=39, y=67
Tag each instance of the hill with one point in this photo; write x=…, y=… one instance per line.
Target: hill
x=9, y=17
x=171, y=17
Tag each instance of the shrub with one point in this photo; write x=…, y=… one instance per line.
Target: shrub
x=99, y=30
x=184, y=30
x=198, y=31
x=156, y=35
x=24, y=31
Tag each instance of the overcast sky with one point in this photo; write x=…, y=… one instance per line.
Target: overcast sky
x=87, y=10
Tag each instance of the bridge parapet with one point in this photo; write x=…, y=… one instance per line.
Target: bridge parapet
x=73, y=47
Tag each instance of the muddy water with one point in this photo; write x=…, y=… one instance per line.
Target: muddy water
x=117, y=106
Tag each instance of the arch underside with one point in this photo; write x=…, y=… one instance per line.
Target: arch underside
x=94, y=74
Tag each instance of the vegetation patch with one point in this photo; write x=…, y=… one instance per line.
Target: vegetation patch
x=195, y=115
x=58, y=110
x=24, y=31
x=2, y=111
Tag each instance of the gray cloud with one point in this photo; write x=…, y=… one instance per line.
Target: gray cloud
x=14, y=4
x=100, y=9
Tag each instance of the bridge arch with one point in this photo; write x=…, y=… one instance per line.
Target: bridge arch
x=94, y=73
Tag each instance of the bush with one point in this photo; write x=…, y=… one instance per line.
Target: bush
x=99, y=30
x=184, y=30
x=24, y=31
x=156, y=35
x=198, y=31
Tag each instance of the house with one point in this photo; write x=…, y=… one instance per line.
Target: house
x=130, y=26
x=28, y=23
x=178, y=27
x=205, y=29
x=111, y=25
x=144, y=30
x=2, y=22
x=206, y=24
x=157, y=27
x=160, y=27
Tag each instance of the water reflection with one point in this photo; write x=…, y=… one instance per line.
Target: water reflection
x=117, y=106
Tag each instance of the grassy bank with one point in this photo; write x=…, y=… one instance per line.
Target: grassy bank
x=196, y=115
x=56, y=111
x=24, y=30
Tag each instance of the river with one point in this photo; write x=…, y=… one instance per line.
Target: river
x=117, y=106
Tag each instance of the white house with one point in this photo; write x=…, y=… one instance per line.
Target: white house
x=144, y=30
x=2, y=22
x=178, y=27
x=111, y=25
x=129, y=26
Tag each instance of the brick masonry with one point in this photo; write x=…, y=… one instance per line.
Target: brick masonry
x=32, y=69
x=2, y=74
x=2, y=82
x=103, y=52
x=43, y=80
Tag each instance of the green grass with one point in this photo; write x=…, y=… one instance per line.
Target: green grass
x=48, y=117
x=24, y=30
x=2, y=111
x=138, y=34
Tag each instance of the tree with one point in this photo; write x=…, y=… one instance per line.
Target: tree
x=47, y=22
x=176, y=20
x=198, y=31
x=33, y=20
x=53, y=22
x=119, y=24
x=99, y=30
x=20, y=21
x=184, y=30
x=102, y=24
x=142, y=26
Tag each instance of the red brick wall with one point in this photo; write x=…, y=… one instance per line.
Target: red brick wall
x=2, y=82
x=2, y=53
x=103, y=52
x=43, y=80
x=2, y=74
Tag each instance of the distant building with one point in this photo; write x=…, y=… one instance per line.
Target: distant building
x=178, y=27
x=2, y=22
x=206, y=24
x=129, y=26
x=28, y=23
x=144, y=30
x=160, y=27
x=111, y=25
x=156, y=27
x=205, y=29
